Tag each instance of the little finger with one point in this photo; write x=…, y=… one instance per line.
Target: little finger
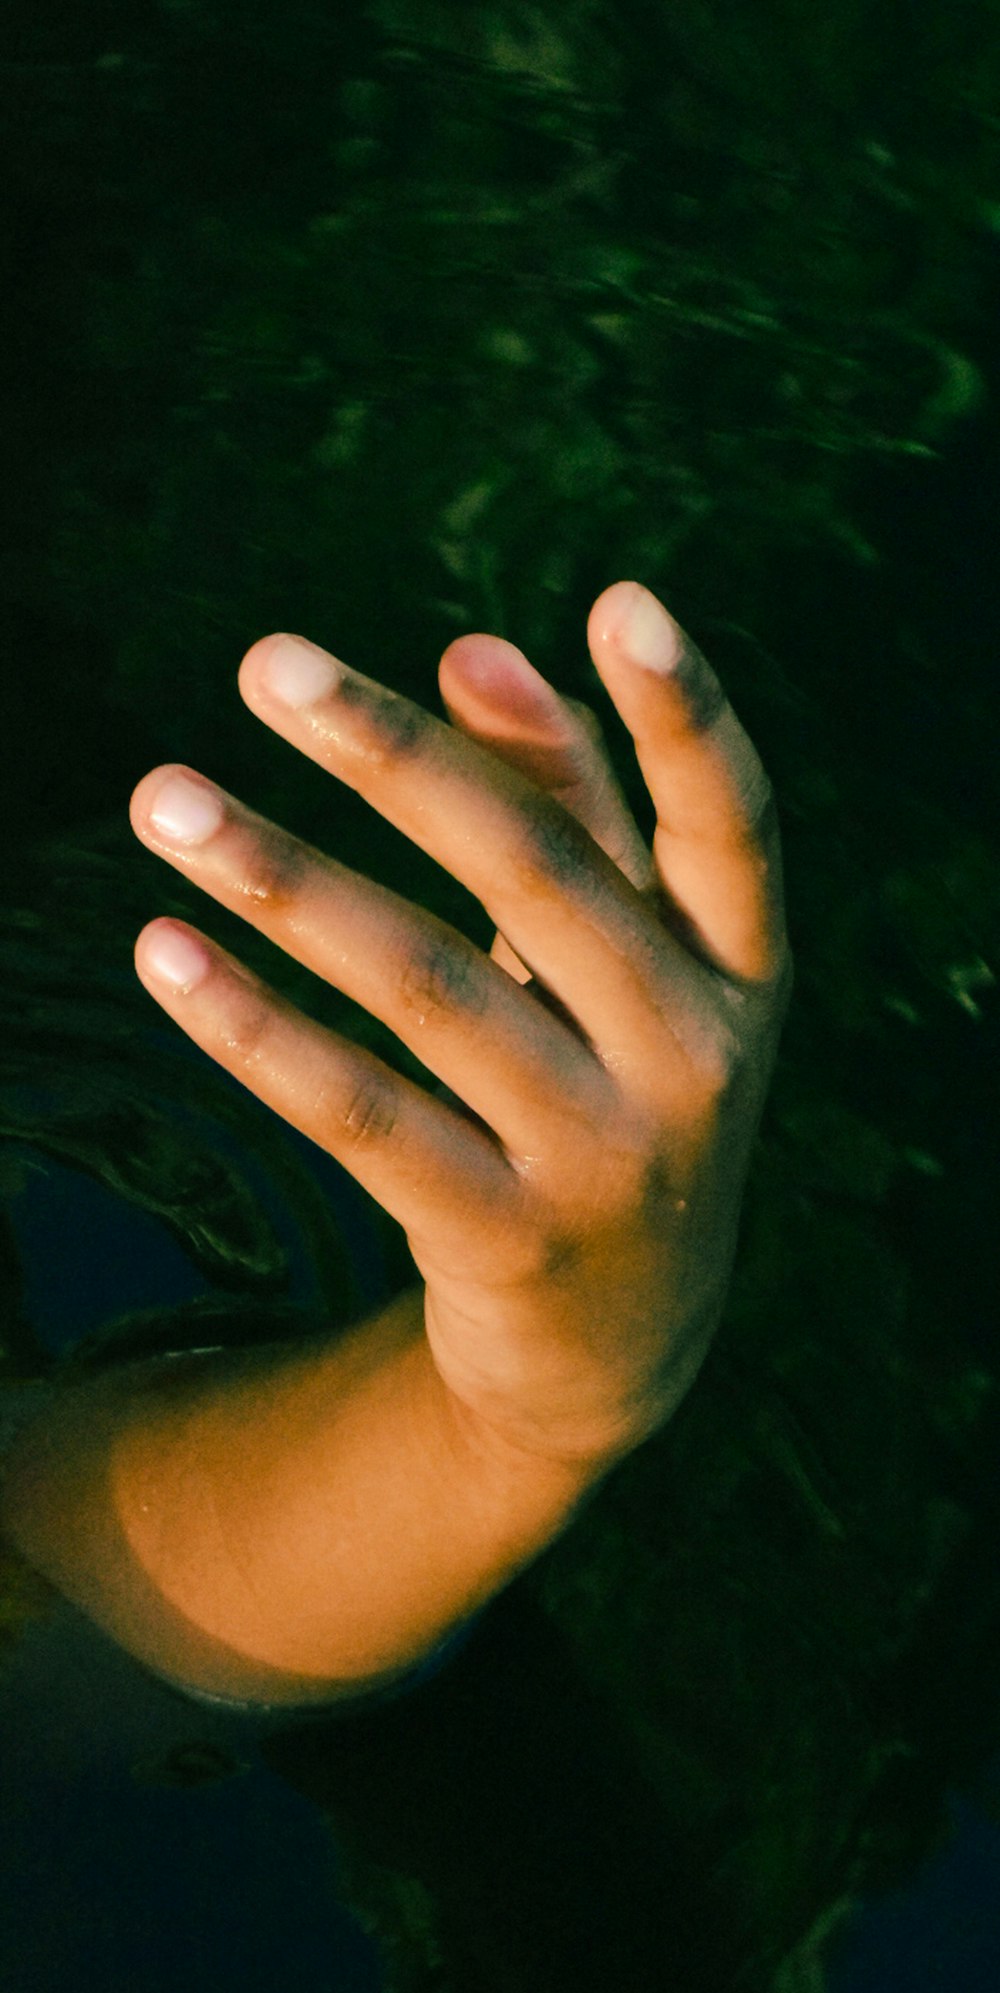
x=441, y=1177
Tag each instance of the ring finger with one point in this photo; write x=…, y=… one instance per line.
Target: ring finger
x=518, y=1067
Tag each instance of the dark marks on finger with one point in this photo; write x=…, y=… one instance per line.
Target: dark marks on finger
x=658, y=1198
x=561, y=1257
x=703, y=694
x=279, y=873
x=441, y=977
x=563, y=851
x=372, y=1110
x=400, y=727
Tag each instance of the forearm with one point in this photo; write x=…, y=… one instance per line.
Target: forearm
x=282, y=1523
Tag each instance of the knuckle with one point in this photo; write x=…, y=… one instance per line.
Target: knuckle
x=715, y=1051
x=631, y=1163
x=542, y=1255
x=657, y=1190
x=277, y=872
x=400, y=728
x=248, y=1028
x=370, y=1109
x=561, y=1254
x=440, y=976
x=724, y=1057
x=556, y=847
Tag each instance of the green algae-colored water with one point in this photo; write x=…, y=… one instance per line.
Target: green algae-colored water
x=389, y=324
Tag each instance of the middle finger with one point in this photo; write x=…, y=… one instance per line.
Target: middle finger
x=584, y=932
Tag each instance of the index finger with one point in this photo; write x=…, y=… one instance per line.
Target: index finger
x=717, y=845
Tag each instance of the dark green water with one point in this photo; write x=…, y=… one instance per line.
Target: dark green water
x=388, y=325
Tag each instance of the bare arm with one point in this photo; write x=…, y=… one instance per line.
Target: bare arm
x=282, y=1523
x=285, y=1523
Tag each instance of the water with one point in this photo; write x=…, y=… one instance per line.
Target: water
x=390, y=324
x=110, y=1884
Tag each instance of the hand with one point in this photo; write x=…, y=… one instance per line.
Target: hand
x=572, y=1202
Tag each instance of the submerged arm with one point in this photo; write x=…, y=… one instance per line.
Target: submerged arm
x=285, y=1523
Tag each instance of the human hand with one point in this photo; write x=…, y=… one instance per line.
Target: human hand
x=573, y=1203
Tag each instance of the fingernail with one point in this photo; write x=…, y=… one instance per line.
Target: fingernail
x=506, y=679
x=299, y=673
x=176, y=957
x=648, y=634
x=186, y=810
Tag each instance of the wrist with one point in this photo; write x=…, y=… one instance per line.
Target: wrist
x=289, y=1523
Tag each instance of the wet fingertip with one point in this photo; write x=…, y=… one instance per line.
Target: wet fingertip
x=170, y=956
x=637, y=624
x=499, y=676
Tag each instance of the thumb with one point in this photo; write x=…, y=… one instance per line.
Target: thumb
x=493, y=694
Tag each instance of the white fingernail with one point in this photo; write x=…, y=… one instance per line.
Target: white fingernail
x=648, y=634
x=186, y=811
x=176, y=957
x=299, y=673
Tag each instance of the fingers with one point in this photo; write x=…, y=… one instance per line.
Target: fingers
x=635, y=994
x=716, y=846
x=495, y=1047
x=496, y=697
x=429, y=1168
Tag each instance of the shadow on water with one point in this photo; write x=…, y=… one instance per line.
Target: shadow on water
x=512, y=1798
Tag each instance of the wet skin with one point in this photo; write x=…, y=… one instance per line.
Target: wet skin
x=572, y=1200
